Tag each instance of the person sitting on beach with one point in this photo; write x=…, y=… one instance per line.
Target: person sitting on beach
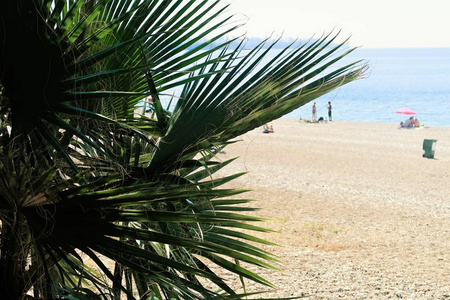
x=267, y=128
x=408, y=123
x=416, y=123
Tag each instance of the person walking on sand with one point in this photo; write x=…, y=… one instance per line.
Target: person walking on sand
x=329, y=107
x=314, y=112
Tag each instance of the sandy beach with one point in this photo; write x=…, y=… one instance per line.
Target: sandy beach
x=360, y=214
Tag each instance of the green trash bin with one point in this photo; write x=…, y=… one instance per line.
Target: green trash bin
x=429, y=146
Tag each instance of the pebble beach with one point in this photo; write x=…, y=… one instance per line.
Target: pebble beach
x=357, y=211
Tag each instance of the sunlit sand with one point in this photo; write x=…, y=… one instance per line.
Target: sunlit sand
x=359, y=211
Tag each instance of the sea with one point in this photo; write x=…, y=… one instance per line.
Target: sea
x=415, y=78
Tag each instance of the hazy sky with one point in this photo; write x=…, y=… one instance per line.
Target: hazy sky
x=371, y=24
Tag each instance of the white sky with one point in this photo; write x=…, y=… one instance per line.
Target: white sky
x=371, y=24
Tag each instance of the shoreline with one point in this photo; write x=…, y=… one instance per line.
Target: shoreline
x=357, y=122
x=359, y=212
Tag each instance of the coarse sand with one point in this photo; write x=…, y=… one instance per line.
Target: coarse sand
x=357, y=210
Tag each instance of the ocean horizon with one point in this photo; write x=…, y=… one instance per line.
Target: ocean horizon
x=416, y=78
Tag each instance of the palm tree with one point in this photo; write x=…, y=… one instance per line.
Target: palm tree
x=97, y=201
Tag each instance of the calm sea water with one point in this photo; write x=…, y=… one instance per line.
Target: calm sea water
x=415, y=78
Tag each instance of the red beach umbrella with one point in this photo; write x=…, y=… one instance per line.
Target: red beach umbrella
x=406, y=111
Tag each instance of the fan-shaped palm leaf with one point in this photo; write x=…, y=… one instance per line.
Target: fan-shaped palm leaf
x=83, y=176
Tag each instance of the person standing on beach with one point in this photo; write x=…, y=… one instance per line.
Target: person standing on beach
x=314, y=112
x=330, y=117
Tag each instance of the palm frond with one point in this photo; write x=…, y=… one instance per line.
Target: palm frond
x=82, y=174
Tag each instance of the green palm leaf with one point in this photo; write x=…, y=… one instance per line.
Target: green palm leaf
x=83, y=175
